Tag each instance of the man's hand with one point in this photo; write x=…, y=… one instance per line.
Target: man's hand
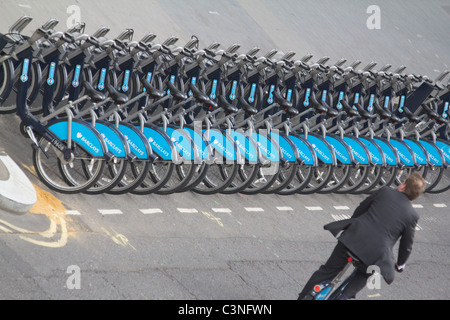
x=399, y=268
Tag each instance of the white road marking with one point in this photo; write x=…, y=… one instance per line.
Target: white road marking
x=285, y=208
x=314, y=208
x=338, y=217
x=341, y=208
x=150, y=211
x=110, y=211
x=224, y=210
x=254, y=209
x=417, y=206
x=440, y=205
x=187, y=210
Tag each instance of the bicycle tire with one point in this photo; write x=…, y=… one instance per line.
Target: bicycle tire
x=6, y=85
x=357, y=177
x=244, y=177
x=217, y=179
x=136, y=172
x=160, y=172
x=112, y=175
x=266, y=176
x=320, y=177
x=302, y=178
x=339, y=177
x=69, y=177
x=287, y=173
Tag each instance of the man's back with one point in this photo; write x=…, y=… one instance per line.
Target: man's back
x=377, y=224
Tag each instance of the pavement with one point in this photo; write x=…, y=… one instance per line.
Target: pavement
x=17, y=193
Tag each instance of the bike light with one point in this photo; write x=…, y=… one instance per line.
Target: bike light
x=349, y=259
x=317, y=288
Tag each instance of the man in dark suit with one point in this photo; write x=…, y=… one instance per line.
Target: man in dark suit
x=370, y=234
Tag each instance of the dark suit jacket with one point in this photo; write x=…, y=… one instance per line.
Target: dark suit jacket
x=377, y=223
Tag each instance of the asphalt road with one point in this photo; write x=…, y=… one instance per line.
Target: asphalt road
x=187, y=246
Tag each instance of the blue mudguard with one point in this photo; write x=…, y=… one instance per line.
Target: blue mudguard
x=137, y=142
x=304, y=149
x=389, y=152
x=405, y=154
x=115, y=140
x=377, y=155
x=287, y=147
x=419, y=151
x=247, y=145
x=359, y=150
x=444, y=146
x=83, y=133
x=322, y=148
x=184, y=143
x=268, y=148
x=341, y=149
x=159, y=141
x=435, y=155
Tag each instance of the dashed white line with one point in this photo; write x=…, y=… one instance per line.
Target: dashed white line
x=338, y=217
x=150, y=211
x=417, y=206
x=341, y=208
x=223, y=210
x=440, y=205
x=187, y=210
x=285, y=208
x=110, y=211
x=254, y=209
x=314, y=208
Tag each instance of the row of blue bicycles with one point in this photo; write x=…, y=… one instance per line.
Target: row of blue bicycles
x=123, y=115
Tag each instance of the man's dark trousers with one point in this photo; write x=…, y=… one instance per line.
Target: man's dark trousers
x=336, y=262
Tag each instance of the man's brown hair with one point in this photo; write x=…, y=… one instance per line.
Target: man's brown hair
x=414, y=186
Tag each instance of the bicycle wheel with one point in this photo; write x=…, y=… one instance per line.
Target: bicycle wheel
x=286, y=174
x=375, y=173
x=357, y=177
x=301, y=179
x=339, y=177
x=180, y=178
x=135, y=173
x=321, y=176
x=159, y=174
x=217, y=179
x=443, y=184
x=266, y=176
x=434, y=175
x=6, y=85
x=245, y=175
x=66, y=177
x=113, y=173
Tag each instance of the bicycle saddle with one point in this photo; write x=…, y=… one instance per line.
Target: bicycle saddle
x=93, y=94
x=348, y=109
x=228, y=107
x=201, y=97
x=250, y=110
x=151, y=91
x=286, y=105
x=322, y=107
x=175, y=92
x=316, y=105
x=412, y=117
x=433, y=114
x=118, y=97
x=363, y=112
